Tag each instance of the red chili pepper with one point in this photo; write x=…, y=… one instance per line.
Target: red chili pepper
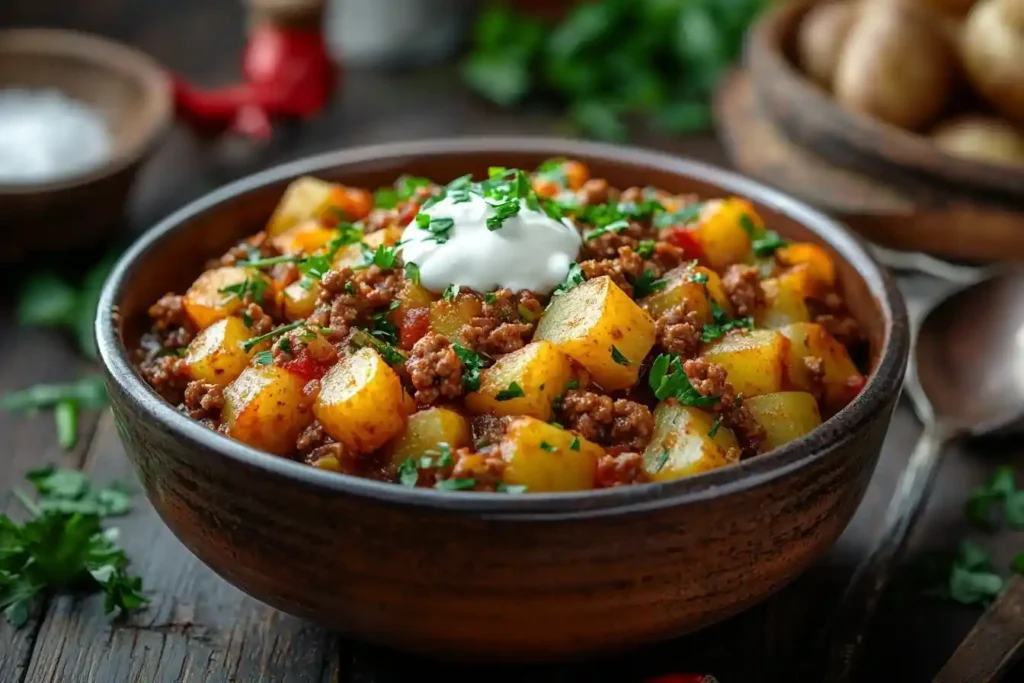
x=685, y=240
x=684, y=678
x=287, y=72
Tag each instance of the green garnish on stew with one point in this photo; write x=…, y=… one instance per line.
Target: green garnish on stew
x=412, y=272
x=645, y=283
x=510, y=488
x=668, y=380
x=251, y=287
x=645, y=248
x=383, y=256
x=545, y=446
x=472, y=363
x=662, y=460
x=714, y=427
x=722, y=323
x=684, y=216
x=269, y=261
x=455, y=484
x=574, y=279
x=513, y=391
x=248, y=345
x=768, y=244
x=575, y=444
x=617, y=226
x=619, y=358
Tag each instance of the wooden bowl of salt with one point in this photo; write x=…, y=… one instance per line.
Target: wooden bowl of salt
x=78, y=116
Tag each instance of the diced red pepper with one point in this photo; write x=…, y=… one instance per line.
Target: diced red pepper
x=413, y=327
x=685, y=239
x=303, y=365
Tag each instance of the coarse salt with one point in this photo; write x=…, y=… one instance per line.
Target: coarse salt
x=45, y=135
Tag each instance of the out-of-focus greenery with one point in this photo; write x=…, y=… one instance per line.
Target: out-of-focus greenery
x=613, y=58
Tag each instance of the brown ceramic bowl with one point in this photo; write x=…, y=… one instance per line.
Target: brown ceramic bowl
x=132, y=94
x=484, y=576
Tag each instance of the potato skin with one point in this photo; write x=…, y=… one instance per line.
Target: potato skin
x=896, y=66
x=216, y=355
x=992, y=51
x=361, y=402
x=265, y=407
x=539, y=369
x=785, y=416
x=204, y=301
x=981, y=138
x=426, y=431
x=682, y=443
x=540, y=457
x=755, y=360
x=587, y=322
x=821, y=37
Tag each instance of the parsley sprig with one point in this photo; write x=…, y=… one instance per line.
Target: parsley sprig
x=998, y=497
x=472, y=364
x=668, y=380
x=721, y=323
x=64, y=545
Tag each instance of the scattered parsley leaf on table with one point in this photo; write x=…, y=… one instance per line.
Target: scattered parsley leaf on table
x=64, y=399
x=998, y=497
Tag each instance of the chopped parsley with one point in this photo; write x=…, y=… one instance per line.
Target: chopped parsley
x=490, y=298
x=512, y=391
x=768, y=244
x=455, y=484
x=451, y=292
x=409, y=469
x=553, y=170
x=574, y=445
x=404, y=188
x=698, y=277
x=383, y=256
x=412, y=272
x=382, y=328
x=408, y=473
x=263, y=262
x=684, y=216
x=747, y=223
x=616, y=226
x=264, y=358
x=502, y=212
x=998, y=497
x=389, y=353
x=545, y=446
x=556, y=402
x=285, y=344
x=510, y=488
x=439, y=228
x=253, y=288
x=668, y=380
x=314, y=267
x=662, y=460
x=246, y=319
x=248, y=344
x=645, y=283
x=714, y=427
x=722, y=323
x=646, y=248
x=619, y=358
x=572, y=280
x=472, y=363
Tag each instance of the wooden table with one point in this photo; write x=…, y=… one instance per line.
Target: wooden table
x=198, y=628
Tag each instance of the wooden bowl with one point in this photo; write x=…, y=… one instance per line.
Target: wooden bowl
x=482, y=576
x=809, y=115
x=132, y=94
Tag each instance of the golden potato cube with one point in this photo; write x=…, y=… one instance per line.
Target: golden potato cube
x=785, y=416
x=842, y=380
x=601, y=328
x=813, y=259
x=784, y=304
x=539, y=370
x=306, y=198
x=352, y=254
x=410, y=297
x=206, y=303
x=693, y=286
x=216, y=355
x=755, y=360
x=299, y=298
x=721, y=232
x=362, y=402
x=447, y=318
x=426, y=431
x=266, y=408
x=304, y=238
x=687, y=441
x=544, y=458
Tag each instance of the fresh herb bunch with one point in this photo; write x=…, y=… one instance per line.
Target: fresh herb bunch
x=613, y=58
x=63, y=545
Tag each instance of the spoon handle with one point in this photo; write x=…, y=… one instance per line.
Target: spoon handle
x=856, y=608
x=989, y=649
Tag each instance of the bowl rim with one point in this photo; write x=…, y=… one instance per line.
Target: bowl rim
x=878, y=395
x=115, y=57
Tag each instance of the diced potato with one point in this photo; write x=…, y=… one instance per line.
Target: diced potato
x=216, y=355
x=352, y=254
x=721, y=233
x=541, y=457
x=684, y=286
x=448, y=317
x=814, y=260
x=755, y=360
x=410, y=297
x=842, y=380
x=539, y=369
x=266, y=408
x=426, y=431
x=683, y=443
x=600, y=327
x=304, y=238
x=206, y=303
x=362, y=402
x=784, y=304
x=309, y=198
x=785, y=416
x=299, y=298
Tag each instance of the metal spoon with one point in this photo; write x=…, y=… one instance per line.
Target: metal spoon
x=965, y=378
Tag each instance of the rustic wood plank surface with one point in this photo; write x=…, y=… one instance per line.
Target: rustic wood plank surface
x=199, y=629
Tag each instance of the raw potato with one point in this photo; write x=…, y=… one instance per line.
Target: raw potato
x=305, y=238
x=204, y=301
x=447, y=318
x=755, y=361
x=310, y=198
x=681, y=288
x=896, y=66
x=216, y=355
x=588, y=322
x=784, y=303
x=721, y=233
x=982, y=139
x=842, y=379
x=541, y=457
x=822, y=35
x=539, y=369
x=682, y=444
x=992, y=51
x=266, y=408
x=785, y=416
x=426, y=431
x=362, y=402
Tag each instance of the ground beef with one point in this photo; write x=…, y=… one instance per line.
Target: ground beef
x=261, y=323
x=830, y=312
x=170, y=321
x=204, y=401
x=489, y=429
x=381, y=218
x=167, y=374
x=622, y=270
x=346, y=294
x=316, y=447
x=505, y=324
x=619, y=422
x=619, y=470
x=434, y=370
x=255, y=247
x=594, y=191
x=710, y=379
x=678, y=331
x=665, y=257
x=484, y=468
x=815, y=368
x=742, y=285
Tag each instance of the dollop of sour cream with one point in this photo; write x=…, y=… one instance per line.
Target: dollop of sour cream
x=530, y=250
